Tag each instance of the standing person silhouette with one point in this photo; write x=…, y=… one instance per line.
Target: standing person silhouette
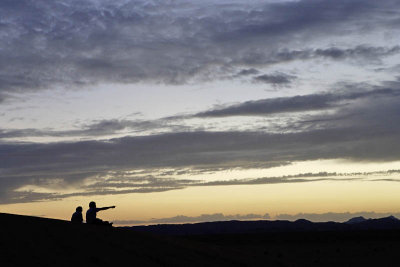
x=91, y=214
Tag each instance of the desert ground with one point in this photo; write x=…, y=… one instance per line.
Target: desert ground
x=32, y=241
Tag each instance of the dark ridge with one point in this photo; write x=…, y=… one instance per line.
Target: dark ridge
x=30, y=241
x=241, y=227
x=356, y=220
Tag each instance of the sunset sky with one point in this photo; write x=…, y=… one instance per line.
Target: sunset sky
x=186, y=110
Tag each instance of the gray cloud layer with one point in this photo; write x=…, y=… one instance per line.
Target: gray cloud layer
x=297, y=103
x=348, y=102
x=44, y=44
x=362, y=129
x=97, y=128
x=120, y=182
x=71, y=43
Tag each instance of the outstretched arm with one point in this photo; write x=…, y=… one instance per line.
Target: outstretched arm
x=105, y=208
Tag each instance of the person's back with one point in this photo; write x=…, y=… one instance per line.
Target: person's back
x=77, y=216
x=91, y=215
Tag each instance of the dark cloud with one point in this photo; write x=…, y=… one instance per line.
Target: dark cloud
x=2, y=98
x=100, y=128
x=246, y=72
x=359, y=54
x=297, y=103
x=308, y=17
x=362, y=51
x=70, y=43
x=277, y=79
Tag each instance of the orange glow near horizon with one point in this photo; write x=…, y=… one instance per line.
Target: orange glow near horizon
x=315, y=197
x=359, y=194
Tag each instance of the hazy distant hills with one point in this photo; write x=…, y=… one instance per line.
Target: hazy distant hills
x=241, y=227
x=31, y=241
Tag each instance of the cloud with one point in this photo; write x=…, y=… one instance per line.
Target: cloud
x=359, y=54
x=246, y=72
x=46, y=45
x=359, y=126
x=310, y=18
x=18, y=187
x=345, y=102
x=277, y=79
x=100, y=128
x=297, y=103
x=70, y=43
x=362, y=51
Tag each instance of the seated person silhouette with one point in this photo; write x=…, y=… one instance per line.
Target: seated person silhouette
x=77, y=216
x=91, y=214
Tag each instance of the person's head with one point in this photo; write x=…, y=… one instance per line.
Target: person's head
x=92, y=204
x=79, y=209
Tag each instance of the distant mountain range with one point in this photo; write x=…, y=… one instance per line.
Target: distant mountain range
x=242, y=227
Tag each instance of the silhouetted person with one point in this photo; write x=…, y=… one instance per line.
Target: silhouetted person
x=91, y=214
x=77, y=216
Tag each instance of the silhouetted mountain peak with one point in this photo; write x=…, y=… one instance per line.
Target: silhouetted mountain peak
x=387, y=220
x=356, y=220
x=303, y=221
x=391, y=217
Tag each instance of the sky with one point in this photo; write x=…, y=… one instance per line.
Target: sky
x=184, y=111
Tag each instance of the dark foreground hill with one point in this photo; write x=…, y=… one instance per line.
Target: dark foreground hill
x=31, y=241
